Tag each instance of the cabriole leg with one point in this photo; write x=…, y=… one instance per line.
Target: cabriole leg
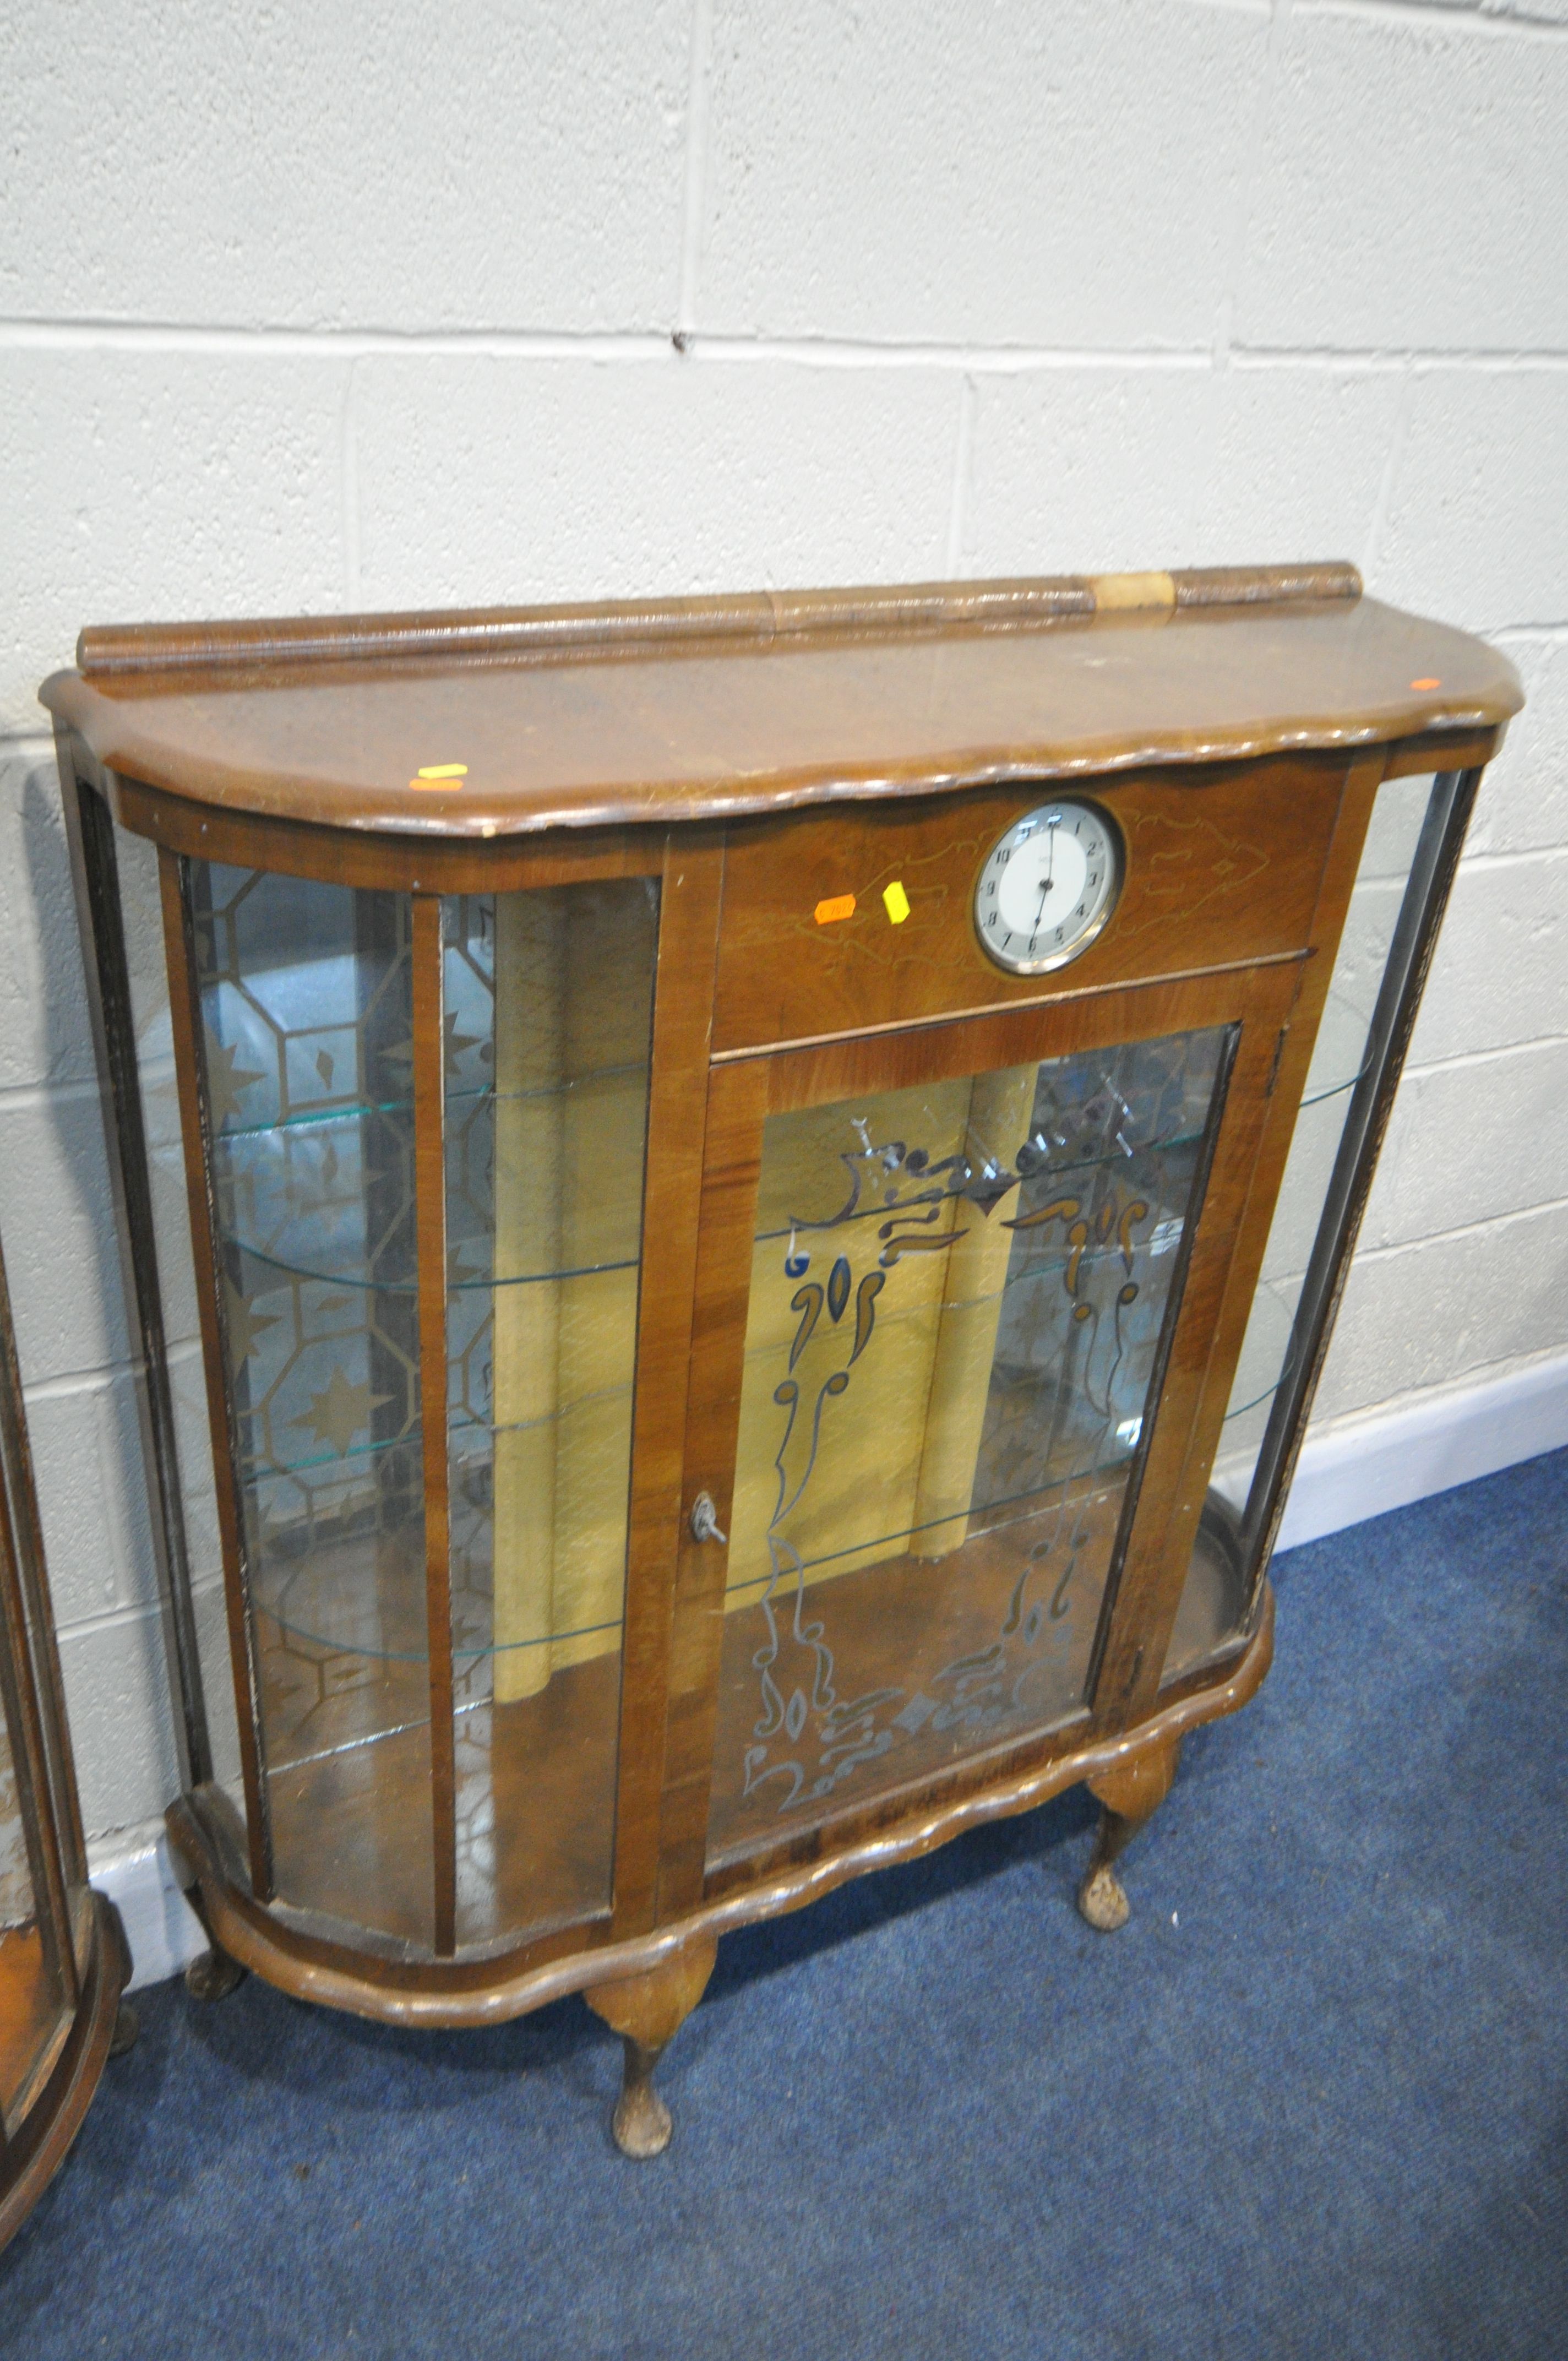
x=647, y=2012
x=1128, y=1796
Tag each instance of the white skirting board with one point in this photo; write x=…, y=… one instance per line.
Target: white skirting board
x=1355, y=1468
x=1360, y=1468
x=135, y=1869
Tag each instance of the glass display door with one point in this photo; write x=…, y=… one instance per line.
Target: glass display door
x=955, y=1263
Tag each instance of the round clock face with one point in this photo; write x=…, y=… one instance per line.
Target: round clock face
x=1048, y=886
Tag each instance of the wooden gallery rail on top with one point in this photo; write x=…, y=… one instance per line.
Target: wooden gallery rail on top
x=733, y=1207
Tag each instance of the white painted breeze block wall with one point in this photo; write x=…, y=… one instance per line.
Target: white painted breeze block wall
x=484, y=304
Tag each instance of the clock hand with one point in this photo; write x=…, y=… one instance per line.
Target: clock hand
x=1050, y=872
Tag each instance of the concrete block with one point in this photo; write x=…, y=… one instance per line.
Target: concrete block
x=1523, y=802
x=92, y=1497
x=57, y=1222
x=1472, y=1143
x=1394, y=834
x=116, y=1697
x=1099, y=469
x=1342, y=1041
x=158, y=486
x=193, y=1446
x=1500, y=973
x=459, y=167
x=1009, y=174
x=1517, y=12
x=488, y=478
x=1475, y=528
x=1359, y=966
x=1411, y=186
x=44, y=1035
x=1450, y=1307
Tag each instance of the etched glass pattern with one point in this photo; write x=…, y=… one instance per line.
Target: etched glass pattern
x=306, y=1009
x=959, y=1293
x=548, y=1000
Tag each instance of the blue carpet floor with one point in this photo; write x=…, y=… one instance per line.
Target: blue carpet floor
x=1310, y=2101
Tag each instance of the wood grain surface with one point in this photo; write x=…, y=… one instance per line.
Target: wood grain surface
x=1221, y=870
x=674, y=715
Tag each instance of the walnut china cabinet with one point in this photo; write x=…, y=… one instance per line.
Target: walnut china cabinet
x=734, y=1206
x=63, y=1961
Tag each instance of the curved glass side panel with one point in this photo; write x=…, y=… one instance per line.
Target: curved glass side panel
x=43, y=1876
x=307, y=1016
x=32, y=1987
x=959, y=1294
x=137, y=863
x=549, y=1012
x=1214, y=1609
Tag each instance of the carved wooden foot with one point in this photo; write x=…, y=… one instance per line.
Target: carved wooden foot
x=642, y=2121
x=647, y=2012
x=127, y=2025
x=213, y=1975
x=1129, y=1796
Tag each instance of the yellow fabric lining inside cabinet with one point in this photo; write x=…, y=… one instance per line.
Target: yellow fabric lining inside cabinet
x=574, y=981
x=896, y=1449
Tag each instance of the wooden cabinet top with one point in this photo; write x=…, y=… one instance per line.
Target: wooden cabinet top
x=704, y=709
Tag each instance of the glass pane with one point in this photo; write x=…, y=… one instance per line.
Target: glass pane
x=958, y=1295
x=137, y=860
x=307, y=1008
x=32, y=1988
x=1214, y=1605
x=550, y=1000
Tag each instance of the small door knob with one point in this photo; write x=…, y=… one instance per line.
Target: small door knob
x=704, y=1520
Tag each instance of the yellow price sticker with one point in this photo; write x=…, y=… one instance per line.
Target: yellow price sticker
x=438, y=775
x=895, y=901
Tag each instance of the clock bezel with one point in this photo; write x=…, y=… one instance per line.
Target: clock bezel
x=1065, y=957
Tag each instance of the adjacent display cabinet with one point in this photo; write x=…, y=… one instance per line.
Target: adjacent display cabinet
x=733, y=1207
x=63, y=1962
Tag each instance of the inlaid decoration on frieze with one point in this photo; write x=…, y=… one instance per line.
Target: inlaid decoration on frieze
x=959, y=1293
x=1184, y=865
